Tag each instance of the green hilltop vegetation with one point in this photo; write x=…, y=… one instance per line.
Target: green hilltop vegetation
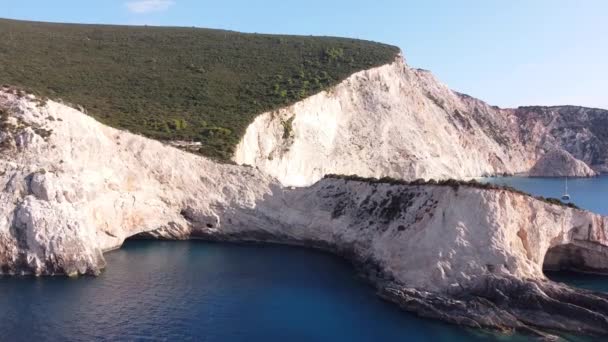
x=176, y=83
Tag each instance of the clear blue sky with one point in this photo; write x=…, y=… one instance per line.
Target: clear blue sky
x=508, y=53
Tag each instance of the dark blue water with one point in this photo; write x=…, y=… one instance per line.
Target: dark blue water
x=587, y=193
x=176, y=291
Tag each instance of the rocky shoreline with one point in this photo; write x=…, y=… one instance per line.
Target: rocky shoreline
x=468, y=254
x=507, y=304
x=539, y=308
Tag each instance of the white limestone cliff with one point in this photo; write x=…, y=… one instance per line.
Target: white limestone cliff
x=84, y=187
x=560, y=163
x=73, y=188
x=399, y=122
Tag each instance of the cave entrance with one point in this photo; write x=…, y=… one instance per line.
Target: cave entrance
x=587, y=258
x=566, y=257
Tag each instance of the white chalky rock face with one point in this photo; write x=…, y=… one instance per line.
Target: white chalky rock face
x=430, y=237
x=73, y=188
x=82, y=188
x=560, y=163
x=399, y=122
x=86, y=187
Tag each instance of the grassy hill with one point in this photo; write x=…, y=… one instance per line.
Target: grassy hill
x=177, y=83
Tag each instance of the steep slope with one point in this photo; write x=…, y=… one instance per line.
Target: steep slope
x=177, y=83
x=583, y=132
x=73, y=188
x=560, y=163
x=401, y=122
x=358, y=113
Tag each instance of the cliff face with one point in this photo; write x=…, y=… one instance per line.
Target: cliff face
x=560, y=163
x=580, y=131
x=401, y=122
x=73, y=188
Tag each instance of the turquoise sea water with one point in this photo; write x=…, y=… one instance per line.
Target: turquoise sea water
x=180, y=291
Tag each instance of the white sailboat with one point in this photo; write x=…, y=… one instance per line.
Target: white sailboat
x=566, y=196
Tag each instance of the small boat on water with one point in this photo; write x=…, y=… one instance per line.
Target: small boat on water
x=566, y=195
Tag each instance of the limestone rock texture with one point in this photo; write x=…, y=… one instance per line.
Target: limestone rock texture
x=73, y=188
x=403, y=123
x=560, y=163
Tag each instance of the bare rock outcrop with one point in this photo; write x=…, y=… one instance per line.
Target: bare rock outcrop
x=560, y=163
x=401, y=122
x=73, y=188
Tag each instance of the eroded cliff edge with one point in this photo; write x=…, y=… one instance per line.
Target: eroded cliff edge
x=73, y=188
x=402, y=122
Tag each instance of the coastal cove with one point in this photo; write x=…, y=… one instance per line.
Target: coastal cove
x=85, y=188
x=194, y=290
x=183, y=183
x=235, y=292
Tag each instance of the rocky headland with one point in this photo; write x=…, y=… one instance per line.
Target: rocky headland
x=402, y=122
x=469, y=254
